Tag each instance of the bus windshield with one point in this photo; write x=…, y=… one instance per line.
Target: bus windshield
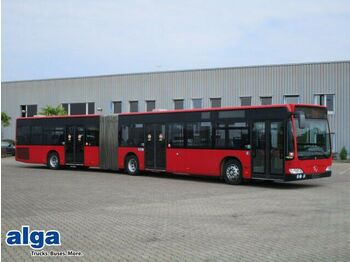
x=313, y=140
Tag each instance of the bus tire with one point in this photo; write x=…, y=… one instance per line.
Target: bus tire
x=232, y=172
x=53, y=161
x=132, y=165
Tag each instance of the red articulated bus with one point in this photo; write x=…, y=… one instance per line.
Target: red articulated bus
x=276, y=142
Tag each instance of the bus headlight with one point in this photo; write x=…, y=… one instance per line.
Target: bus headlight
x=329, y=168
x=295, y=171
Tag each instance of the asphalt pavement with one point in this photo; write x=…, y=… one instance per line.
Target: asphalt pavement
x=109, y=216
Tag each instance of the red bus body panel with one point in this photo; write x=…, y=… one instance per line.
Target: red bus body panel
x=38, y=154
x=192, y=161
x=204, y=161
x=91, y=156
x=138, y=151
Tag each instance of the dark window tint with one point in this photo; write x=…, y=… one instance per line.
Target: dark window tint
x=23, y=135
x=232, y=136
x=246, y=101
x=199, y=134
x=176, y=135
x=32, y=110
x=117, y=107
x=220, y=136
x=215, y=102
x=91, y=108
x=132, y=135
x=54, y=135
x=36, y=135
x=266, y=100
x=78, y=109
x=238, y=138
x=150, y=105
x=205, y=115
x=232, y=114
x=91, y=137
x=134, y=106
x=178, y=104
x=313, y=112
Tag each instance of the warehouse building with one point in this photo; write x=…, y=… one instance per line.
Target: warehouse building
x=326, y=83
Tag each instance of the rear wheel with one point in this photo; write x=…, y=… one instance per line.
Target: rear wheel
x=132, y=165
x=232, y=172
x=53, y=161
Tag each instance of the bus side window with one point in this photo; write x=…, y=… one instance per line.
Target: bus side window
x=23, y=135
x=199, y=134
x=220, y=136
x=176, y=135
x=132, y=135
x=53, y=136
x=238, y=135
x=37, y=135
x=124, y=135
x=92, y=137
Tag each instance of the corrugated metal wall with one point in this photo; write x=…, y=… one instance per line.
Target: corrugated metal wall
x=230, y=84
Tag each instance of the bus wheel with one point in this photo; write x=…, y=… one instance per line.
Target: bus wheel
x=53, y=161
x=132, y=165
x=232, y=172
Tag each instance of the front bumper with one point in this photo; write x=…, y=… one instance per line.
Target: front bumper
x=291, y=177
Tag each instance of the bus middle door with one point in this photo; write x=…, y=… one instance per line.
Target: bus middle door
x=74, y=146
x=155, y=145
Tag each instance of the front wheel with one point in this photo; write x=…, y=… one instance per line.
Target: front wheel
x=132, y=165
x=53, y=161
x=232, y=172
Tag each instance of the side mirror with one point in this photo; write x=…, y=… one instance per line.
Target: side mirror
x=301, y=119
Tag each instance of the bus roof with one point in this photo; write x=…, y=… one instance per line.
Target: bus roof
x=290, y=108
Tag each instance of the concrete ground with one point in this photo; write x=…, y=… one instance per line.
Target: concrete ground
x=157, y=217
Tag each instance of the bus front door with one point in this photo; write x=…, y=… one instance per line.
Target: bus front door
x=268, y=149
x=155, y=153
x=74, y=145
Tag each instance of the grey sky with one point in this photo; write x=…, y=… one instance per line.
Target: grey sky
x=48, y=39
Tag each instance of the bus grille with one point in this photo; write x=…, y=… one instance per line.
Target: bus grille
x=22, y=153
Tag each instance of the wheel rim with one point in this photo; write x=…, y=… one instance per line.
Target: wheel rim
x=232, y=172
x=54, y=161
x=132, y=165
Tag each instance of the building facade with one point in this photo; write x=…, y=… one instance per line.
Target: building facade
x=326, y=83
